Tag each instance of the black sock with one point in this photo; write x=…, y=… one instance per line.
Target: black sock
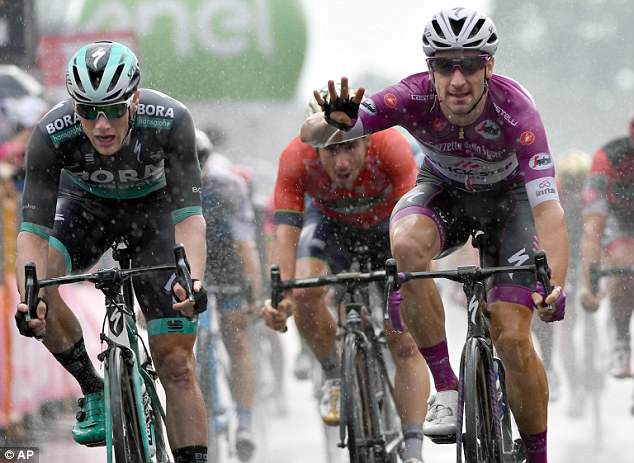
x=76, y=361
x=192, y=454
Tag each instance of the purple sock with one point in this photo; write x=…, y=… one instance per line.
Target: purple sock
x=535, y=447
x=437, y=358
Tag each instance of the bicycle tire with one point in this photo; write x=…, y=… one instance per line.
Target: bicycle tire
x=205, y=366
x=126, y=425
x=356, y=401
x=480, y=440
x=157, y=426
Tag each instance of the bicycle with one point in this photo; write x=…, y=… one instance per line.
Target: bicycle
x=135, y=418
x=596, y=274
x=482, y=398
x=369, y=428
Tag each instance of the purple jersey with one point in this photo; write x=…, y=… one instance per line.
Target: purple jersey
x=506, y=144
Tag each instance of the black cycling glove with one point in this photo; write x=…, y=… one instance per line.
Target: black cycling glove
x=347, y=105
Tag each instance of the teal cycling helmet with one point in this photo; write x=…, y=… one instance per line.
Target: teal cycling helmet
x=103, y=73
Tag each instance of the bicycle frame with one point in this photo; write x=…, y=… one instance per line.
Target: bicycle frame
x=119, y=331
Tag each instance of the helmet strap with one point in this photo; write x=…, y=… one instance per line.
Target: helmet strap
x=485, y=87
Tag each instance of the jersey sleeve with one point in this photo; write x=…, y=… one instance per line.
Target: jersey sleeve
x=389, y=107
x=43, y=168
x=397, y=160
x=182, y=171
x=535, y=161
x=289, y=186
x=595, y=191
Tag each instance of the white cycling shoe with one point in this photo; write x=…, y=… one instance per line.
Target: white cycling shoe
x=441, y=419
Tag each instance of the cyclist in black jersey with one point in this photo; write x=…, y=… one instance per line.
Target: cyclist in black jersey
x=116, y=162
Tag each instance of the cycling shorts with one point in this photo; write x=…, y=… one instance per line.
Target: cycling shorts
x=504, y=215
x=86, y=226
x=336, y=243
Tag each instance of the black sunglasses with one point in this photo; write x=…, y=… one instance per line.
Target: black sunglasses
x=92, y=112
x=469, y=65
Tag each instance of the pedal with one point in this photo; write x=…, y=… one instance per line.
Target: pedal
x=448, y=439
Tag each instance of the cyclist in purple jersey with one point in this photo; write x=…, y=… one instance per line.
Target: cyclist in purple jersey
x=487, y=166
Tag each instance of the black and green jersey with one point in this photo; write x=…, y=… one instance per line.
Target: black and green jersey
x=160, y=154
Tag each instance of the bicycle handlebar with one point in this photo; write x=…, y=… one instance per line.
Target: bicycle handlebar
x=32, y=285
x=394, y=279
x=596, y=273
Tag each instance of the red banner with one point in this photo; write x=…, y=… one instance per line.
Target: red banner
x=54, y=51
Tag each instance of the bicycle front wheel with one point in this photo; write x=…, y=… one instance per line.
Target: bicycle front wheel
x=480, y=441
x=126, y=432
x=356, y=401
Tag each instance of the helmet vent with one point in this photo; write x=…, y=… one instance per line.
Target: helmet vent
x=115, y=77
x=441, y=45
x=77, y=79
x=456, y=25
x=95, y=77
x=493, y=38
x=472, y=44
x=476, y=28
x=438, y=29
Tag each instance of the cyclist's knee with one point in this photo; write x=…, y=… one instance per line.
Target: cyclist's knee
x=414, y=250
x=513, y=346
x=175, y=366
x=307, y=299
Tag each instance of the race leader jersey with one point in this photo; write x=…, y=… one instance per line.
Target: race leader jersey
x=388, y=173
x=160, y=155
x=610, y=184
x=505, y=145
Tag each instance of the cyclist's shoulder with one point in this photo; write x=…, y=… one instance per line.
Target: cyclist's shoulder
x=616, y=148
x=159, y=111
x=60, y=124
x=390, y=144
x=413, y=89
x=510, y=97
x=296, y=153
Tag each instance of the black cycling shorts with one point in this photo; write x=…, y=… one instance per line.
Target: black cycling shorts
x=504, y=215
x=85, y=227
x=336, y=243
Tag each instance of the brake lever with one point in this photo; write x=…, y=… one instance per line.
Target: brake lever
x=183, y=271
x=276, y=289
x=31, y=290
x=542, y=272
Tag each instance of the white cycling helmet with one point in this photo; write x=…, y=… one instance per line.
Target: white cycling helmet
x=460, y=29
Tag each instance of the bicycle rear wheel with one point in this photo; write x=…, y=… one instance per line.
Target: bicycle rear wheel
x=481, y=437
x=206, y=366
x=356, y=401
x=126, y=430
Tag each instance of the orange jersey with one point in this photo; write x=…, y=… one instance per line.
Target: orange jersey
x=388, y=173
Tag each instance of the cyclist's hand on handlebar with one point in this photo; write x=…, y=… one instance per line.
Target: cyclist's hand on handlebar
x=551, y=307
x=275, y=318
x=184, y=305
x=37, y=326
x=590, y=302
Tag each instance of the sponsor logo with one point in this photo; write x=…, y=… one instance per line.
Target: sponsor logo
x=369, y=106
x=68, y=120
x=103, y=176
x=545, y=191
x=175, y=326
x=544, y=184
x=506, y=116
x=473, y=171
x=540, y=161
x=59, y=137
x=196, y=189
x=429, y=97
x=155, y=111
x=527, y=138
x=390, y=100
x=473, y=308
x=489, y=130
x=439, y=124
x=97, y=55
x=153, y=123
x=116, y=322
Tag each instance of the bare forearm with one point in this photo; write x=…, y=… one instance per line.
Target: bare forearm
x=285, y=249
x=550, y=225
x=250, y=263
x=191, y=233
x=30, y=248
x=593, y=228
